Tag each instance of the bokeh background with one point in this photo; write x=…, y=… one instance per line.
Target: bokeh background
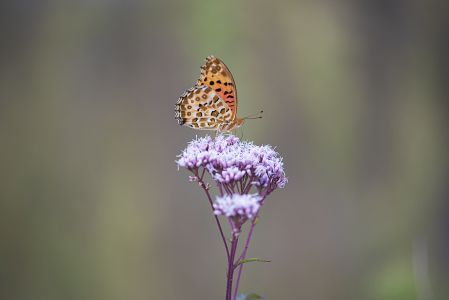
x=355, y=99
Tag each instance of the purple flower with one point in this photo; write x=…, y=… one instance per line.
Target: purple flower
x=238, y=209
x=233, y=162
x=236, y=205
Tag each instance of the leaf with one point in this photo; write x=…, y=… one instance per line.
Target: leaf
x=251, y=260
x=251, y=296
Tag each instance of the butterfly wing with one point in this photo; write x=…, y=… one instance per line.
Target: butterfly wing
x=216, y=75
x=201, y=107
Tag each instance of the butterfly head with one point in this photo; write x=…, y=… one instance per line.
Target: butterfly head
x=230, y=126
x=239, y=122
x=227, y=127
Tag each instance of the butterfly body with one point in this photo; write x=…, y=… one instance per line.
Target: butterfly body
x=212, y=103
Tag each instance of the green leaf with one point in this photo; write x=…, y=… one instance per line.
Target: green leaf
x=251, y=296
x=251, y=260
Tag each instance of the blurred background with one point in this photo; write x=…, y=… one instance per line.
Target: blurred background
x=355, y=99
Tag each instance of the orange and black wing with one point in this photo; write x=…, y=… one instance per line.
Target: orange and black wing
x=201, y=108
x=216, y=75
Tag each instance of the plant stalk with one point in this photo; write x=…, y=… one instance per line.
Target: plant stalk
x=230, y=274
x=203, y=185
x=243, y=256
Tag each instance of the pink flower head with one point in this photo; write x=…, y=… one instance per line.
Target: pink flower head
x=230, y=160
x=236, y=205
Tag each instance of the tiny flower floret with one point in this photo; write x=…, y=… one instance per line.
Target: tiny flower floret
x=229, y=160
x=236, y=205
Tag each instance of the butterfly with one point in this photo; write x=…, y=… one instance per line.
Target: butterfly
x=211, y=104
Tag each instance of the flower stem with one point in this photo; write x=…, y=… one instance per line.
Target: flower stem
x=230, y=274
x=203, y=185
x=243, y=256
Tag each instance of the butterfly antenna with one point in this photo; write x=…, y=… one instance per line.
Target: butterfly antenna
x=254, y=116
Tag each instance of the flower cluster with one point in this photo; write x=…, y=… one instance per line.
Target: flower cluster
x=230, y=160
x=236, y=205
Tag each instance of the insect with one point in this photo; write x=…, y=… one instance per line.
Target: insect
x=212, y=103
